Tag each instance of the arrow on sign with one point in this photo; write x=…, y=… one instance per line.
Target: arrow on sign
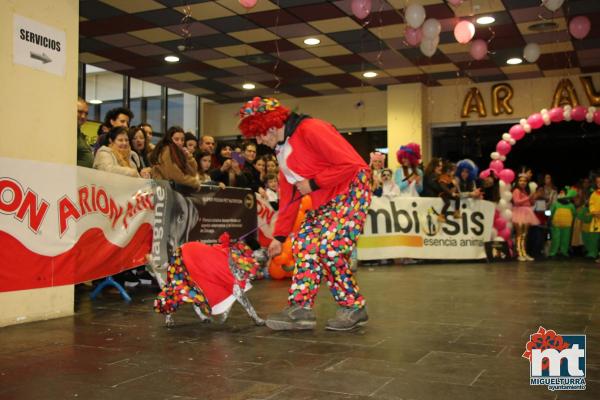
x=42, y=57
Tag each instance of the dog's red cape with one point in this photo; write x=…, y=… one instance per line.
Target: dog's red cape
x=208, y=266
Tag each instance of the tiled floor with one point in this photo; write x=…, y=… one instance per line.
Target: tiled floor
x=437, y=331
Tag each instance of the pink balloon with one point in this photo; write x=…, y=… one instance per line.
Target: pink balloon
x=535, y=120
x=499, y=224
x=504, y=233
x=484, y=174
x=580, y=26
x=248, y=3
x=507, y=175
x=464, y=32
x=556, y=114
x=516, y=132
x=479, y=49
x=361, y=8
x=413, y=36
x=578, y=113
x=455, y=2
x=497, y=165
x=503, y=147
x=597, y=117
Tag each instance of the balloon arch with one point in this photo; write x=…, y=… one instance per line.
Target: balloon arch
x=503, y=218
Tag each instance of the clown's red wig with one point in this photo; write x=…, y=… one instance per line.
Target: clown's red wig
x=258, y=123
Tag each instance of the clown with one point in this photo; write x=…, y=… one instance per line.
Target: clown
x=409, y=176
x=562, y=216
x=315, y=160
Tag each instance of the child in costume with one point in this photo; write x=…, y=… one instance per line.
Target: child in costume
x=388, y=186
x=589, y=238
x=562, y=214
x=466, y=175
x=522, y=215
x=409, y=176
x=314, y=159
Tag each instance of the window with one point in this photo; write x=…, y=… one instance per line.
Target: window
x=182, y=110
x=145, y=104
x=103, y=91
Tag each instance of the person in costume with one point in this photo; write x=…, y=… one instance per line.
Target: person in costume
x=588, y=237
x=466, y=176
x=315, y=160
x=409, y=177
x=562, y=214
x=522, y=215
x=595, y=211
x=388, y=186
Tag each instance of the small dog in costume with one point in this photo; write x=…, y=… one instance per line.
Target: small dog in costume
x=563, y=214
x=212, y=278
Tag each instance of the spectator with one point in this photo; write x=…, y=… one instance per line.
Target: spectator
x=272, y=191
x=191, y=142
x=203, y=159
x=172, y=161
x=102, y=128
x=448, y=191
x=431, y=187
x=271, y=164
x=550, y=193
x=147, y=128
x=139, y=144
x=409, y=176
x=119, y=116
x=260, y=165
x=85, y=156
x=490, y=185
x=207, y=144
x=116, y=156
x=229, y=171
x=252, y=174
x=388, y=186
x=377, y=162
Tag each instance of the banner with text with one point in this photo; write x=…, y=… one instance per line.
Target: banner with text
x=408, y=227
x=61, y=224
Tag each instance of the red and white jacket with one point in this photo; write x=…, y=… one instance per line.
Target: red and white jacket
x=313, y=150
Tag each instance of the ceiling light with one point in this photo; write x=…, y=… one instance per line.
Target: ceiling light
x=486, y=20
x=311, y=41
x=514, y=61
x=249, y=86
x=370, y=74
x=95, y=101
x=172, y=59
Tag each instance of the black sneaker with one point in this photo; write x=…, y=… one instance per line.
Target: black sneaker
x=347, y=318
x=293, y=318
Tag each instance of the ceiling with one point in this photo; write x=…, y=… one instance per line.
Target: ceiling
x=226, y=45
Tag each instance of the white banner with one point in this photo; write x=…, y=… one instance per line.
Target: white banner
x=408, y=227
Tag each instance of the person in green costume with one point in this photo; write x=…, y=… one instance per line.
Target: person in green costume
x=589, y=238
x=562, y=217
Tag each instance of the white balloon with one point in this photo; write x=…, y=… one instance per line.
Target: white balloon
x=495, y=155
x=415, y=15
x=501, y=185
x=512, y=141
x=507, y=214
x=531, y=52
x=567, y=114
x=502, y=158
x=502, y=205
x=552, y=5
x=506, y=136
x=527, y=128
x=429, y=46
x=499, y=239
x=494, y=233
x=589, y=117
x=592, y=109
x=507, y=196
x=546, y=119
x=431, y=28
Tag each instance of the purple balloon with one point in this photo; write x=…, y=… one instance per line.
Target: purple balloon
x=413, y=36
x=535, y=120
x=503, y=147
x=578, y=113
x=497, y=165
x=580, y=26
x=507, y=175
x=479, y=49
x=517, y=132
x=361, y=8
x=556, y=114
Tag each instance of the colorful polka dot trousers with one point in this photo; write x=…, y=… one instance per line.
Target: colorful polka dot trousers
x=324, y=243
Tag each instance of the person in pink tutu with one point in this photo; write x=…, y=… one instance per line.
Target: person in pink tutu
x=522, y=215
